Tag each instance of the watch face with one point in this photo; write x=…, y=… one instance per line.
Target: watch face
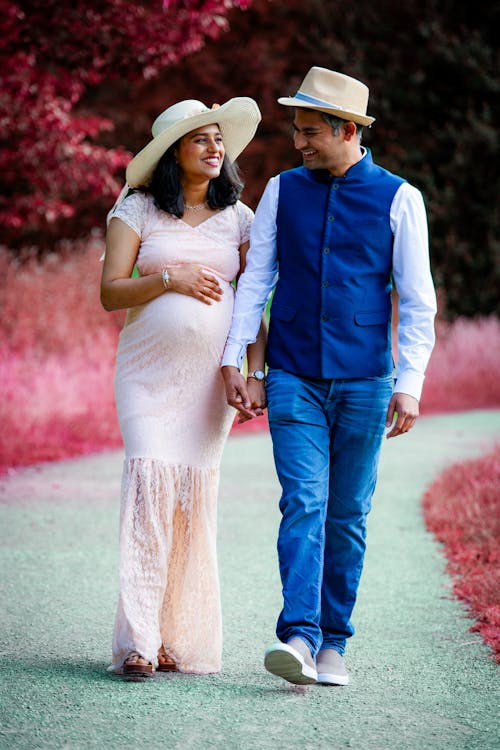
x=259, y=374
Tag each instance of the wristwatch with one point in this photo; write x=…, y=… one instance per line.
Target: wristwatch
x=258, y=375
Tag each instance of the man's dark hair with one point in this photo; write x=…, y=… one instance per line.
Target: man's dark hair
x=336, y=123
x=166, y=187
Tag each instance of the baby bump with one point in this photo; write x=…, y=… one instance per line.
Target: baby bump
x=177, y=322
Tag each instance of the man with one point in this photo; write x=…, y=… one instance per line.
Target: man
x=331, y=236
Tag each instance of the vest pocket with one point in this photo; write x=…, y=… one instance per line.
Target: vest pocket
x=380, y=317
x=282, y=312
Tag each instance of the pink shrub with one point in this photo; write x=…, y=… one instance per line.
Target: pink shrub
x=462, y=509
x=464, y=369
x=56, y=405
x=57, y=348
x=53, y=306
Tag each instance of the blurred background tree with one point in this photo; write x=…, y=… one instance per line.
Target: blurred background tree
x=58, y=172
x=431, y=65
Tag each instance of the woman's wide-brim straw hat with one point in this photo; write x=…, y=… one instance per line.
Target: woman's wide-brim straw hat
x=334, y=93
x=237, y=119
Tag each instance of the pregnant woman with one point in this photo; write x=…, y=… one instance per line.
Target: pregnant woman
x=185, y=230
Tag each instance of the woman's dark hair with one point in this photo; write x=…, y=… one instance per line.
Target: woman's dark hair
x=166, y=188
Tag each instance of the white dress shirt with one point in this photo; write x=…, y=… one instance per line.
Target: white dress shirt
x=411, y=273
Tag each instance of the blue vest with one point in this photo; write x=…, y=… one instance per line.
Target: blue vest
x=331, y=311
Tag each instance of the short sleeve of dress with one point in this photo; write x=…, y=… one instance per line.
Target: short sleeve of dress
x=245, y=218
x=133, y=211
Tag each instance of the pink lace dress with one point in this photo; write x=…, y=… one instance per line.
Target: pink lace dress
x=174, y=421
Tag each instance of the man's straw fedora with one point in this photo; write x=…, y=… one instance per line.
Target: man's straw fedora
x=334, y=93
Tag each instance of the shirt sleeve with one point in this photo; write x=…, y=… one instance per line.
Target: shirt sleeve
x=257, y=281
x=245, y=218
x=413, y=280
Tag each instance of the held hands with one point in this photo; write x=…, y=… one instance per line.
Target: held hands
x=257, y=395
x=405, y=409
x=195, y=281
x=249, y=398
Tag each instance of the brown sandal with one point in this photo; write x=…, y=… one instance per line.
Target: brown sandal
x=167, y=664
x=136, y=668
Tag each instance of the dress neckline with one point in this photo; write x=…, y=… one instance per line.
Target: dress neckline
x=204, y=221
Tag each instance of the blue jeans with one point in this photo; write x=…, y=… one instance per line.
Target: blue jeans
x=326, y=442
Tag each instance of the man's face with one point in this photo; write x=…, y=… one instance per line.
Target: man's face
x=314, y=138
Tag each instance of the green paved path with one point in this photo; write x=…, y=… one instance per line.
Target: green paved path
x=419, y=679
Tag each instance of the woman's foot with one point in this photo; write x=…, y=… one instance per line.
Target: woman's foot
x=165, y=662
x=136, y=665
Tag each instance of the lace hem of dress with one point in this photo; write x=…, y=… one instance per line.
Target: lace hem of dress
x=169, y=585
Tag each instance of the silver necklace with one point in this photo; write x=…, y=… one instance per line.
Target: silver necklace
x=196, y=206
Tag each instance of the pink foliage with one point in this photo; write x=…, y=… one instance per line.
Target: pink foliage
x=57, y=349
x=463, y=370
x=462, y=509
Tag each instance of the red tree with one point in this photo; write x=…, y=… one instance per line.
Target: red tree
x=51, y=54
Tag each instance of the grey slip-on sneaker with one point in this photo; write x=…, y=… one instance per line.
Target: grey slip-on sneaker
x=331, y=668
x=292, y=661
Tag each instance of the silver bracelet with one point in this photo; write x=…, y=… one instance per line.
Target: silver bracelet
x=165, y=278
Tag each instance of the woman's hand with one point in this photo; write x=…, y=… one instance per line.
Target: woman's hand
x=257, y=396
x=195, y=281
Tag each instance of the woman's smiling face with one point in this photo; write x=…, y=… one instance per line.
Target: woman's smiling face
x=201, y=152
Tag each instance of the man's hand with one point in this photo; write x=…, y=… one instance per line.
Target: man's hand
x=257, y=396
x=405, y=408
x=237, y=392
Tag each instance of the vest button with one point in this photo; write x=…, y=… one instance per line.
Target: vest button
x=336, y=186
x=326, y=250
x=325, y=284
x=331, y=218
x=324, y=318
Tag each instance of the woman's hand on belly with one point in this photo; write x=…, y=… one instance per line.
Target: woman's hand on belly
x=195, y=281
